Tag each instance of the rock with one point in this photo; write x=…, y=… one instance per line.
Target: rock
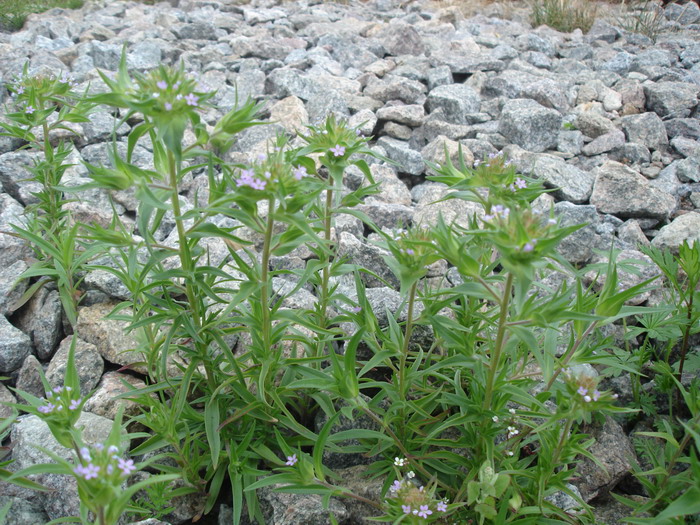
x=455, y=100
x=622, y=191
x=23, y=512
x=88, y=363
x=604, y=143
x=104, y=401
x=671, y=99
x=282, y=508
x=430, y=207
x=647, y=129
x=409, y=160
x=613, y=451
x=408, y=114
x=634, y=267
x=594, y=124
x=110, y=337
x=291, y=114
x=577, y=248
x=29, y=378
x=367, y=256
x=571, y=183
x=530, y=125
x=6, y=411
x=440, y=146
x=685, y=227
x=685, y=14
x=15, y=346
x=11, y=288
x=402, y=39
x=42, y=319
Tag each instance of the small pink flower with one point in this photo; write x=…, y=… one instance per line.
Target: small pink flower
x=582, y=391
x=299, y=172
x=291, y=460
x=192, y=99
x=168, y=106
x=338, y=150
x=126, y=465
x=441, y=506
x=406, y=509
x=162, y=84
x=29, y=110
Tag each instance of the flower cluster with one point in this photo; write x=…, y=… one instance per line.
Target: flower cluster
x=414, y=502
x=583, y=389
x=103, y=464
x=58, y=400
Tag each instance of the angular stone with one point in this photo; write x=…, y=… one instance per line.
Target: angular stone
x=110, y=337
x=593, y=124
x=455, y=100
x=436, y=150
x=88, y=363
x=529, y=125
x=408, y=114
x=396, y=88
x=6, y=397
x=605, y=143
x=42, y=319
x=614, y=451
x=622, y=191
x=367, y=256
x=29, y=378
x=671, y=99
x=11, y=289
x=409, y=160
x=646, y=128
x=104, y=401
x=430, y=207
x=683, y=228
x=402, y=39
x=577, y=248
x=573, y=184
x=290, y=113
x=15, y=346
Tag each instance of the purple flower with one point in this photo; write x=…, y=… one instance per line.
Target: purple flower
x=424, y=511
x=126, y=465
x=520, y=183
x=396, y=486
x=356, y=309
x=29, y=110
x=46, y=409
x=409, y=251
x=98, y=446
x=596, y=395
x=406, y=509
x=168, y=106
x=113, y=449
x=20, y=90
x=582, y=390
x=291, y=460
x=85, y=454
x=528, y=247
x=74, y=404
x=299, y=172
x=441, y=506
x=258, y=184
x=88, y=472
x=162, y=84
x=192, y=99
x=338, y=150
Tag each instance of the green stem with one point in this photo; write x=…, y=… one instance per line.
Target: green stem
x=403, y=387
x=325, y=275
x=500, y=343
x=265, y=285
x=187, y=264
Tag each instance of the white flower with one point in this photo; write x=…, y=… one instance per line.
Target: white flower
x=399, y=462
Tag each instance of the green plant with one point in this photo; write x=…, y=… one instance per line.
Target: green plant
x=15, y=12
x=645, y=17
x=44, y=106
x=564, y=15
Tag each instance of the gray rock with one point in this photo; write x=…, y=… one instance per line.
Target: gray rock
x=145, y=55
x=683, y=127
x=409, y=160
x=622, y=191
x=396, y=88
x=685, y=227
x=647, y=129
x=101, y=127
x=570, y=141
x=104, y=55
x=369, y=257
x=291, y=114
x=88, y=363
x=564, y=501
x=577, y=248
x=15, y=346
x=634, y=267
x=196, y=31
x=573, y=185
x=439, y=76
x=364, y=120
x=686, y=147
x=402, y=39
x=408, y=114
x=110, y=337
x=671, y=99
x=6, y=397
x=530, y=125
x=436, y=150
x=631, y=153
x=41, y=319
x=593, y=124
x=23, y=512
x=16, y=177
x=430, y=207
x=11, y=288
x=455, y=100
x=283, y=508
x=104, y=401
x=29, y=378
x=613, y=451
x=685, y=14
x=687, y=170
x=605, y=143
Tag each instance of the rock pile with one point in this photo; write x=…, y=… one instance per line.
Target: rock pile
x=607, y=119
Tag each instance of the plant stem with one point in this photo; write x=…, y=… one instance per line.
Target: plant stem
x=325, y=275
x=500, y=343
x=403, y=387
x=264, y=277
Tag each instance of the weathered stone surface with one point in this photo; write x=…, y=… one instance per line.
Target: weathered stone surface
x=455, y=100
x=108, y=336
x=624, y=192
x=15, y=345
x=573, y=184
x=88, y=362
x=614, y=451
x=530, y=125
x=671, y=99
x=104, y=402
x=683, y=228
x=647, y=129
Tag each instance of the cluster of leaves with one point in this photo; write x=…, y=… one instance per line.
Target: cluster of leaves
x=472, y=384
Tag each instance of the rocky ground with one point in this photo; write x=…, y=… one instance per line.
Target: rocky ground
x=608, y=118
